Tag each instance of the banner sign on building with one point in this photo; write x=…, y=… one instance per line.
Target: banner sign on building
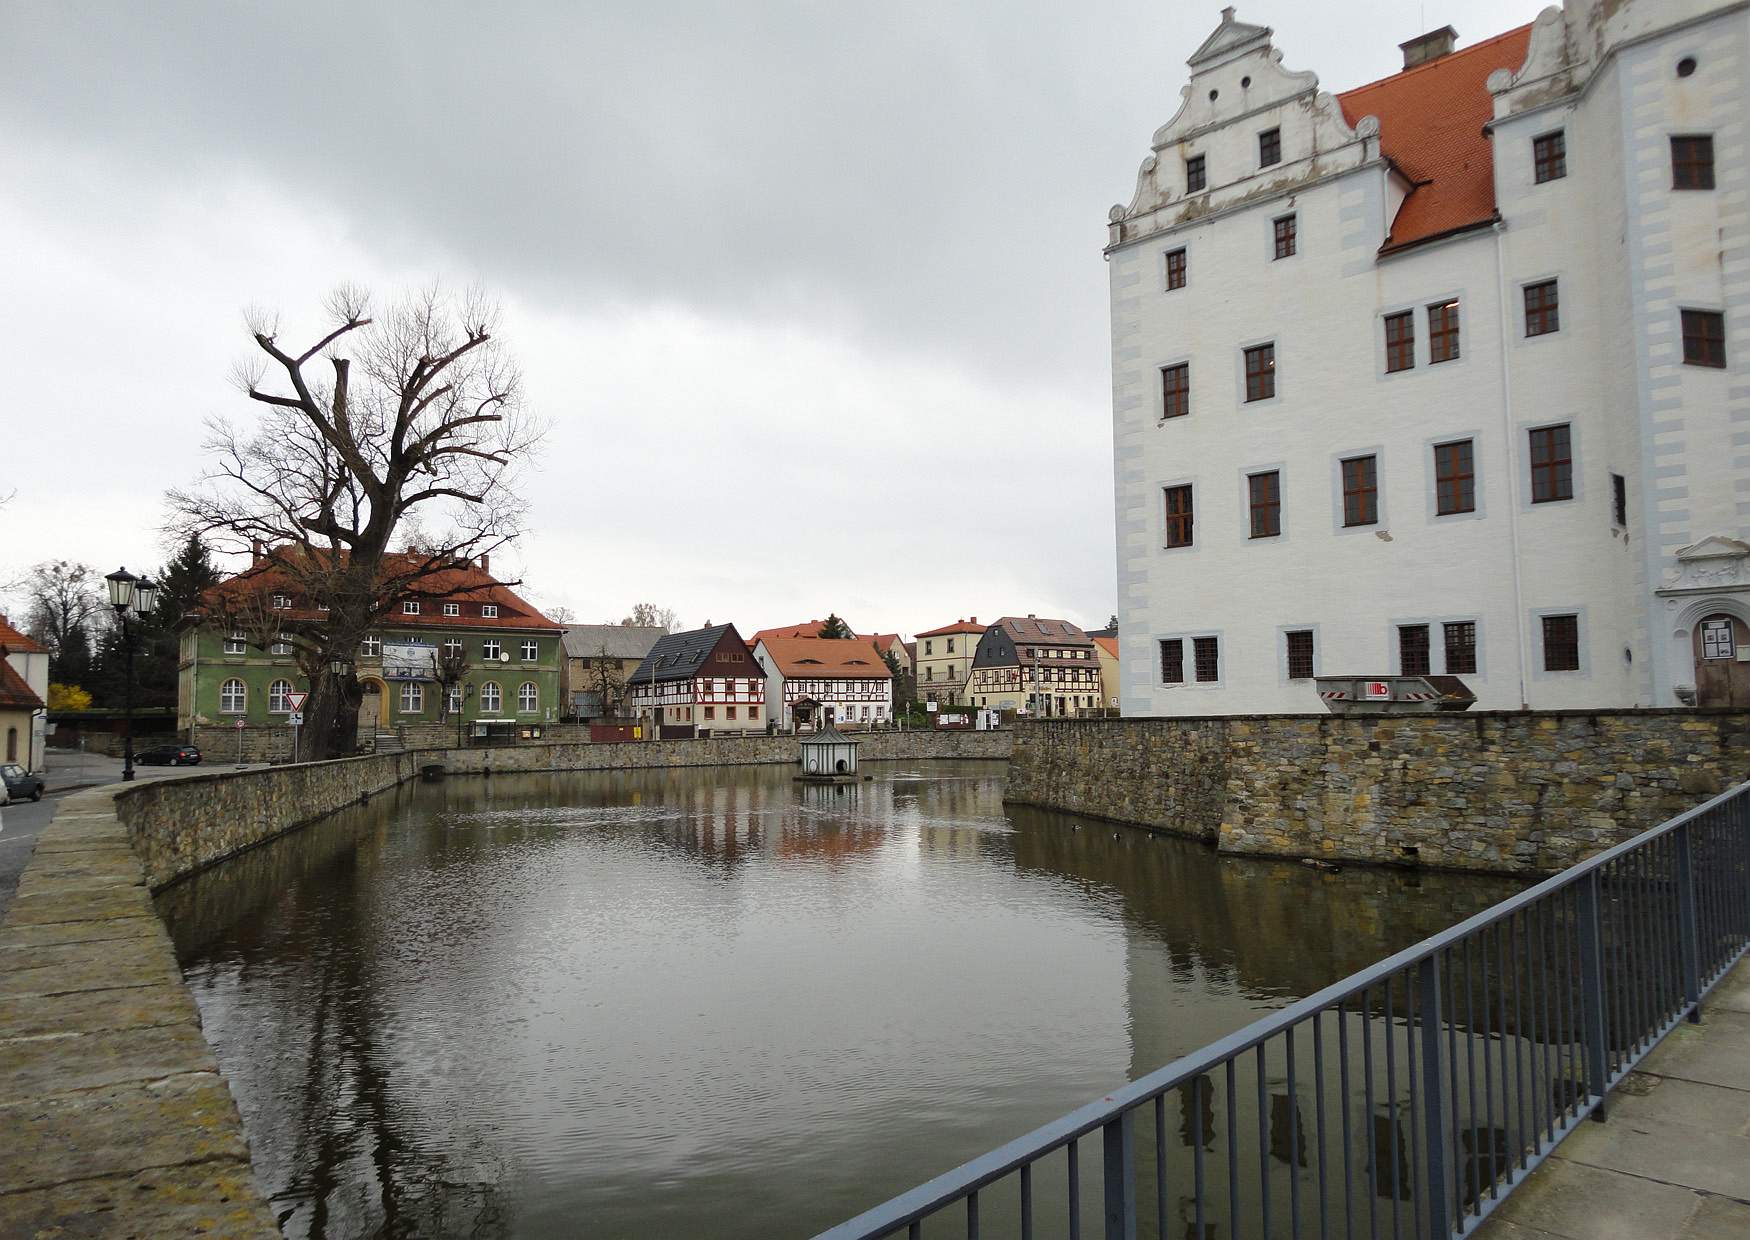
x=409, y=661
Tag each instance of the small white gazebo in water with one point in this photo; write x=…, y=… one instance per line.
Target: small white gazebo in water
x=829, y=755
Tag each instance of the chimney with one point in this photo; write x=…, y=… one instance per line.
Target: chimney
x=974, y=620
x=255, y=551
x=485, y=563
x=1431, y=46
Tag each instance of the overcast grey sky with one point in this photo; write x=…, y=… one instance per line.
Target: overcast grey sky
x=811, y=294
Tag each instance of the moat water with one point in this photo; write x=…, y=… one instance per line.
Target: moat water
x=720, y=1003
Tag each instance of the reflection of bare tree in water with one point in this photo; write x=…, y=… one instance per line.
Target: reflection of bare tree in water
x=356, y=1169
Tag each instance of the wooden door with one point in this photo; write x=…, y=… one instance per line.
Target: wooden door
x=1721, y=677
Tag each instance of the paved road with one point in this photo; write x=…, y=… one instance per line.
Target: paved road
x=22, y=822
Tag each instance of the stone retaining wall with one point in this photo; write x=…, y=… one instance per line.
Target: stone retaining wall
x=1512, y=792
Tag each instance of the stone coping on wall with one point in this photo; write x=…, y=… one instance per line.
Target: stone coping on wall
x=116, y=1119
x=1573, y=712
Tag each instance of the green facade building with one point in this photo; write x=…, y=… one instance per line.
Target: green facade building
x=511, y=652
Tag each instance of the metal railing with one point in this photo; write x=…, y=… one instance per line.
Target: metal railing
x=1433, y=1082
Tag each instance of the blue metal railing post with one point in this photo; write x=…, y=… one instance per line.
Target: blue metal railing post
x=1118, y=1140
x=1593, y=1037
x=1688, y=940
x=1436, y=1135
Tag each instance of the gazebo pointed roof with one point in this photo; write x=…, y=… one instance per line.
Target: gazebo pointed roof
x=829, y=735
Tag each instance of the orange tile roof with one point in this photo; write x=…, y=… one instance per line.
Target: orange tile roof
x=1431, y=121
x=959, y=626
x=469, y=586
x=823, y=659
x=811, y=629
x=15, y=694
x=11, y=639
x=1108, y=644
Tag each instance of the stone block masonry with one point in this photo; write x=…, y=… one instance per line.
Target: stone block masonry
x=117, y=1121
x=1507, y=792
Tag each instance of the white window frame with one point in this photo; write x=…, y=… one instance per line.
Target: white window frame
x=452, y=609
x=410, y=607
x=528, y=698
x=491, y=648
x=491, y=697
x=241, y=705
x=371, y=647
x=277, y=695
x=489, y=611
x=236, y=643
x=412, y=697
x=531, y=651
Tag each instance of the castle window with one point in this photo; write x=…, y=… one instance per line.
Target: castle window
x=1194, y=174
x=1269, y=148
x=1443, y=331
x=1400, y=341
x=1549, y=157
x=1692, y=162
x=1704, y=338
x=1260, y=372
x=1542, y=309
x=1175, y=269
x=1176, y=390
x=1284, y=230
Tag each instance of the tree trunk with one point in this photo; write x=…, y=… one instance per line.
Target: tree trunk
x=331, y=716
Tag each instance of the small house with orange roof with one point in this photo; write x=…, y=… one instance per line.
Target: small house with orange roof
x=944, y=661
x=1443, y=373
x=24, y=694
x=813, y=681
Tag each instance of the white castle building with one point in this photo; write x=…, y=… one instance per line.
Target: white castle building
x=1445, y=373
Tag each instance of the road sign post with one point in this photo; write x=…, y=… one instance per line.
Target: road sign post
x=240, y=726
x=295, y=705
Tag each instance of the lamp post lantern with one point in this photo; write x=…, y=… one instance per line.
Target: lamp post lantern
x=132, y=598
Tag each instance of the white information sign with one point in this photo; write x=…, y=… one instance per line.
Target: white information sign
x=296, y=719
x=409, y=661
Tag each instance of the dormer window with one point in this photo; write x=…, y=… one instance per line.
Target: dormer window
x=282, y=602
x=1195, y=176
x=410, y=607
x=1269, y=148
x=489, y=611
x=452, y=609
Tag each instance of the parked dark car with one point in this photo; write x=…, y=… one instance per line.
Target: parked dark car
x=169, y=755
x=21, y=785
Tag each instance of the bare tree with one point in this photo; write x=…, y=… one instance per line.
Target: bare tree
x=419, y=431
x=607, y=678
x=649, y=615
x=64, y=607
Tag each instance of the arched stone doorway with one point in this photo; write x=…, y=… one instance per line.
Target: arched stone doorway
x=1721, y=644
x=373, y=707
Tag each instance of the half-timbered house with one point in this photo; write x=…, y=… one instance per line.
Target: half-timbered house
x=701, y=680
x=809, y=679
x=1047, y=668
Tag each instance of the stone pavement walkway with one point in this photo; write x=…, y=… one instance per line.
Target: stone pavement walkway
x=113, y=1116
x=1673, y=1160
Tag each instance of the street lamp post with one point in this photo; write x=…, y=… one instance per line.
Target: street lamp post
x=132, y=598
